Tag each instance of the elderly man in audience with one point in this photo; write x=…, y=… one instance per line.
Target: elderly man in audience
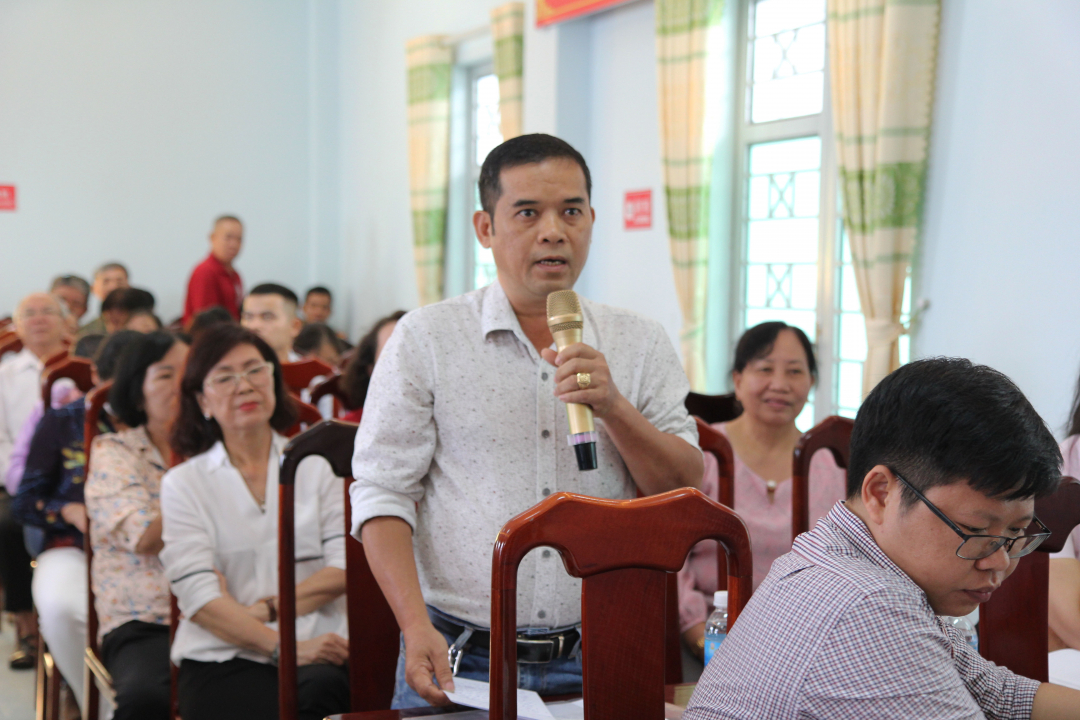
x=219, y=514
x=40, y=324
x=947, y=459
x=465, y=411
x=270, y=312
x=74, y=291
x=123, y=489
x=215, y=281
x=50, y=497
x=109, y=277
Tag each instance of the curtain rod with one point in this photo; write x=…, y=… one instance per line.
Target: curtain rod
x=476, y=32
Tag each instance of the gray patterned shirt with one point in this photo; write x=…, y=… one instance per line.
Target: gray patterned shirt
x=462, y=431
x=837, y=630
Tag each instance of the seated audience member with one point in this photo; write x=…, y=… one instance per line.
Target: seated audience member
x=51, y=497
x=318, y=341
x=215, y=281
x=207, y=319
x=220, y=531
x=39, y=323
x=144, y=321
x=947, y=459
x=357, y=374
x=123, y=489
x=120, y=306
x=318, y=305
x=108, y=277
x=270, y=312
x=1064, y=613
x=74, y=291
x=773, y=373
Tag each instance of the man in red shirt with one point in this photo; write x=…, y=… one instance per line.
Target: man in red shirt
x=214, y=281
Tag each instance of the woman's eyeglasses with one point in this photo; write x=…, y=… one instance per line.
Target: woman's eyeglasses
x=257, y=376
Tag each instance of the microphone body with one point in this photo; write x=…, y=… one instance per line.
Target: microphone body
x=566, y=323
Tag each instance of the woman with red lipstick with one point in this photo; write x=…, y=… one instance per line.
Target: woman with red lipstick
x=774, y=370
x=219, y=511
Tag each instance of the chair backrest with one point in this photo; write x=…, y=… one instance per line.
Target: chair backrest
x=373, y=630
x=713, y=408
x=832, y=434
x=330, y=386
x=623, y=550
x=9, y=343
x=307, y=416
x=6, y=322
x=298, y=375
x=1013, y=623
x=78, y=369
x=56, y=358
x=95, y=405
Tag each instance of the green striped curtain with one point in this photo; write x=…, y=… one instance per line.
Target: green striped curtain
x=882, y=56
x=508, y=34
x=684, y=29
x=429, y=61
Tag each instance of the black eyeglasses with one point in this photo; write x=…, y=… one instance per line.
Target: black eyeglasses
x=977, y=547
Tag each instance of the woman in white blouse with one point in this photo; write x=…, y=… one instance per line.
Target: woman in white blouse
x=219, y=511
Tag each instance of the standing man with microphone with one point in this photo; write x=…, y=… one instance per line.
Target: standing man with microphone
x=465, y=427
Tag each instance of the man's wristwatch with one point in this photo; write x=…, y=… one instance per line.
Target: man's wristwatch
x=274, y=655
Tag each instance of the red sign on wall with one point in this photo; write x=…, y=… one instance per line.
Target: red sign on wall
x=7, y=197
x=637, y=210
x=553, y=11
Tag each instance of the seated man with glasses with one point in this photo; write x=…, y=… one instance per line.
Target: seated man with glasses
x=947, y=459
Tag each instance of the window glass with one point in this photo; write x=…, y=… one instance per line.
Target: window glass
x=787, y=59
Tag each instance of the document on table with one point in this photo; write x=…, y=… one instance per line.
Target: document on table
x=477, y=694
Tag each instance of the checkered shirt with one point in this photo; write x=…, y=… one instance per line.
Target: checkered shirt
x=837, y=630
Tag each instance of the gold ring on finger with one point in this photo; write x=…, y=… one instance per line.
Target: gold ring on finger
x=583, y=380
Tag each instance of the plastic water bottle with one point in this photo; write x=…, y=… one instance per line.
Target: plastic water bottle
x=716, y=625
x=966, y=628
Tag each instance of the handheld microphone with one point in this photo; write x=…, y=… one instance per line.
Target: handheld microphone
x=566, y=323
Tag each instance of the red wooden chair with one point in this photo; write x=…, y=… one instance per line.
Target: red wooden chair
x=298, y=375
x=80, y=370
x=10, y=342
x=623, y=550
x=330, y=386
x=5, y=323
x=713, y=408
x=1013, y=623
x=309, y=416
x=373, y=631
x=97, y=679
x=832, y=434
x=56, y=358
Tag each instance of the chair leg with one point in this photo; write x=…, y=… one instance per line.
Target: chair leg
x=41, y=682
x=91, y=695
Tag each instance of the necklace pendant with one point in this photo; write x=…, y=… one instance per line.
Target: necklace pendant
x=770, y=487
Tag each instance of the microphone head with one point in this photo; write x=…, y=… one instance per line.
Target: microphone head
x=564, y=310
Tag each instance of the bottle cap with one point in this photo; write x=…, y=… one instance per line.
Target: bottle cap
x=719, y=599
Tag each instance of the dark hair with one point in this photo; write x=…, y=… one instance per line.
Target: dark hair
x=312, y=336
x=126, y=396
x=941, y=421
x=275, y=289
x=207, y=319
x=87, y=346
x=72, y=281
x=223, y=218
x=109, y=353
x=318, y=290
x=194, y=434
x=357, y=376
x=758, y=341
x=523, y=150
x=128, y=299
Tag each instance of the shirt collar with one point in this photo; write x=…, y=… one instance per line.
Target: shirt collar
x=25, y=359
x=217, y=457
x=855, y=531
x=139, y=440
x=497, y=314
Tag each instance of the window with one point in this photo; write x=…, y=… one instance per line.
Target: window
x=791, y=254
x=484, y=136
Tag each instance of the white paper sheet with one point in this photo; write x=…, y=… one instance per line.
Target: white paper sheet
x=477, y=694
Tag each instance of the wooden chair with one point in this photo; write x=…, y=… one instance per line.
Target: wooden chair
x=713, y=408
x=330, y=386
x=80, y=370
x=373, y=631
x=96, y=678
x=6, y=323
x=1013, y=624
x=10, y=342
x=309, y=416
x=298, y=375
x=623, y=550
x=832, y=434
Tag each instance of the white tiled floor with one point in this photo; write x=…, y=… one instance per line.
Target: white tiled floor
x=16, y=686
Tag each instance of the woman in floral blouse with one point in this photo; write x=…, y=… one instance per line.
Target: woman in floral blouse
x=131, y=592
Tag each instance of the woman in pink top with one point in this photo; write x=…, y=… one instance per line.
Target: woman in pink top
x=774, y=371
x=1064, y=608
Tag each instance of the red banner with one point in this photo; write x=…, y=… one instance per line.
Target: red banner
x=549, y=12
x=7, y=197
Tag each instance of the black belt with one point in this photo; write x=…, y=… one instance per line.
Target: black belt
x=530, y=648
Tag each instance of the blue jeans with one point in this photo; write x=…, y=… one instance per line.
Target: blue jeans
x=561, y=676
